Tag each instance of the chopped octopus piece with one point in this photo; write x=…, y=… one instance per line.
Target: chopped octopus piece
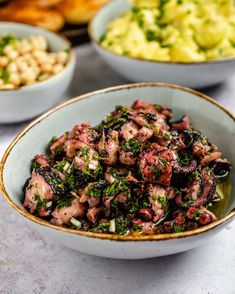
x=83, y=133
x=158, y=200
x=58, y=143
x=72, y=146
x=41, y=160
x=200, y=149
x=144, y=134
x=210, y=157
x=141, y=106
x=64, y=214
x=178, y=168
x=129, y=131
x=183, y=124
x=127, y=157
x=208, y=188
x=37, y=190
x=156, y=165
x=93, y=214
x=108, y=147
x=87, y=158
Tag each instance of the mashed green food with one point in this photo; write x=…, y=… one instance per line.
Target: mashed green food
x=174, y=30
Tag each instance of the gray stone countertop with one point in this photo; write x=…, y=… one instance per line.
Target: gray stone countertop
x=30, y=263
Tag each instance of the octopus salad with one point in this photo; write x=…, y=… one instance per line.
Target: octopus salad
x=137, y=172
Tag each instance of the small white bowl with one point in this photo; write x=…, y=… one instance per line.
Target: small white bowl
x=29, y=101
x=193, y=74
x=207, y=115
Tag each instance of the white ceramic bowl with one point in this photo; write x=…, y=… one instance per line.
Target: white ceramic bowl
x=30, y=101
x=194, y=75
x=208, y=116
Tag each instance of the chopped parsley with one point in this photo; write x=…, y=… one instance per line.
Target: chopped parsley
x=101, y=227
x=41, y=203
x=60, y=165
x=163, y=201
x=232, y=43
x=4, y=75
x=103, y=37
x=166, y=137
x=6, y=40
x=96, y=189
x=67, y=50
x=138, y=16
x=132, y=145
x=152, y=36
x=185, y=159
x=34, y=165
x=116, y=187
x=62, y=202
x=84, y=151
x=52, y=140
x=121, y=225
x=178, y=229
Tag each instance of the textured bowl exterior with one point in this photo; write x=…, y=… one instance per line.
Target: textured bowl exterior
x=207, y=115
x=120, y=249
x=194, y=75
x=30, y=101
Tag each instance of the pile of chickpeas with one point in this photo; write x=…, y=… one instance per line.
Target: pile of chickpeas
x=28, y=61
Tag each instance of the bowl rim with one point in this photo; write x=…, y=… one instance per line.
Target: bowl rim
x=139, y=59
x=41, y=30
x=157, y=237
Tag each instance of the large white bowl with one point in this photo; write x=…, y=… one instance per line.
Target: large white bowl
x=30, y=101
x=208, y=116
x=194, y=75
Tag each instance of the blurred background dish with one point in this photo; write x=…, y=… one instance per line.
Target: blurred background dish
x=30, y=100
x=69, y=17
x=80, y=11
x=191, y=74
x=175, y=31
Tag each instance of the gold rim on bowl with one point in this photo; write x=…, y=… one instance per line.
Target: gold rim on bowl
x=117, y=237
x=94, y=40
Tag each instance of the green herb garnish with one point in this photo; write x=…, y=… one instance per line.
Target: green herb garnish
x=52, y=140
x=178, y=229
x=41, y=203
x=132, y=145
x=6, y=40
x=63, y=202
x=4, y=75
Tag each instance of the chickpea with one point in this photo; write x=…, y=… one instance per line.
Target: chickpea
x=3, y=61
x=7, y=87
x=7, y=49
x=62, y=57
x=43, y=77
x=51, y=59
x=15, y=79
x=47, y=68
x=12, y=67
x=40, y=56
x=38, y=42
x=32, y=62
x=28, y=76
x=24, y=47
x=22, y=65
x=57, y=68
x=12, y=54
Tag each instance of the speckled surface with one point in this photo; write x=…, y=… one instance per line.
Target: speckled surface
x=32, y=264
